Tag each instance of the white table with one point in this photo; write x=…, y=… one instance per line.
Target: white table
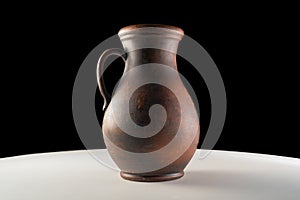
x=76, y=175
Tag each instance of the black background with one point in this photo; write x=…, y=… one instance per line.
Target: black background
x=254, y=51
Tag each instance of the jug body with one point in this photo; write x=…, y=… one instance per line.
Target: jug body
x=150, y=126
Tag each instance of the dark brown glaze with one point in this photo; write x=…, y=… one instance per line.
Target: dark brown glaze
x=170, y=172
x=144, y=56
x=139, y=104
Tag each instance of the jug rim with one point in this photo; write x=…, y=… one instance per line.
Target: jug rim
x=136, y=26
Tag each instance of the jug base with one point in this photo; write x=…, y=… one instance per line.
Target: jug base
x=151, y=177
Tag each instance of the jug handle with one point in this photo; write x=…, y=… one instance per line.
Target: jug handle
x=100, y=70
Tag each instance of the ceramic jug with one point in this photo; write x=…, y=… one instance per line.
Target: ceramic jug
x=150, y=126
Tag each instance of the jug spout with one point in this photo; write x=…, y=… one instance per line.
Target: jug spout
x=154, y=36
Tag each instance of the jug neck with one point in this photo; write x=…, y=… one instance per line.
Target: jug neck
x=149, y=55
